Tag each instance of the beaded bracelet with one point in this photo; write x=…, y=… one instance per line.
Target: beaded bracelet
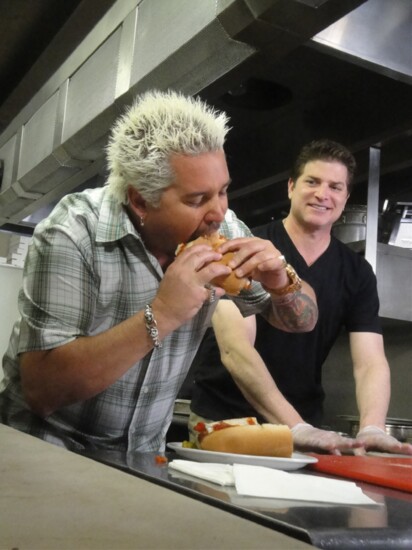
x=151, y=326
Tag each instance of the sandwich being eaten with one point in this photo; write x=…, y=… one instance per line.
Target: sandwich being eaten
x=232, y=284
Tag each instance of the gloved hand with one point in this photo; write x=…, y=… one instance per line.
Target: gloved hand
x=374, y=438
x=308, y=438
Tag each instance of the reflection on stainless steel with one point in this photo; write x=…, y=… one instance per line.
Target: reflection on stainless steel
x=370, y=517
x=373, y=206
x=376, y=35
x=203, y=487
x=401, y=234
x=320, y=524
x=394, y=268
x=400, y=428
x=147, y=463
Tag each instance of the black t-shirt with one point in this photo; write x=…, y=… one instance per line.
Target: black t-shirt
x=345, y=287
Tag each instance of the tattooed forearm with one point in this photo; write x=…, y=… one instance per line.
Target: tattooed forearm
x=295, y=312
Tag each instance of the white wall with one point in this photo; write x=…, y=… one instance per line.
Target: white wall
x=10, y=282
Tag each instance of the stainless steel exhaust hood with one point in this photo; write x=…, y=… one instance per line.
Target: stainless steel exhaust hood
x=285, y=71
x=56, y=142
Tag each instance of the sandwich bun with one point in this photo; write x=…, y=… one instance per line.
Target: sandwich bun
x=274, y=440
x=232, y=284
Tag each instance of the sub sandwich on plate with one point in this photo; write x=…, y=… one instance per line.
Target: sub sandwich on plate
x=245, y=436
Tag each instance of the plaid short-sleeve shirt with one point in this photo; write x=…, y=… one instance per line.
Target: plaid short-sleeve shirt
x=87, y=270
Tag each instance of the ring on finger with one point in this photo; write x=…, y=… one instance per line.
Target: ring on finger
x=212, y=291
x=283, y=260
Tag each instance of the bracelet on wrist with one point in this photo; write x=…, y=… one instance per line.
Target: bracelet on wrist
x=151, y=326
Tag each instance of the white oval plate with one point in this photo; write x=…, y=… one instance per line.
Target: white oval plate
x=298, y=460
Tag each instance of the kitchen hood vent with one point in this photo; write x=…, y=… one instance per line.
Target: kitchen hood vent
x=56, y=143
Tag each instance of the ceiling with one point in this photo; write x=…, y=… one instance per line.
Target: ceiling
x=275, y=104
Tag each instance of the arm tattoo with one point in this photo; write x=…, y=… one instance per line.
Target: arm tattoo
x=295, y=312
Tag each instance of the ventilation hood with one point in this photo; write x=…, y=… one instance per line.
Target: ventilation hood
x=285, y=71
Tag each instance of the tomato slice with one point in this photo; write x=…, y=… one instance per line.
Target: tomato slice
x=200, y=427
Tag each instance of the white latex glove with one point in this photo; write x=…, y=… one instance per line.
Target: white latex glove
x=308, y=438
x=374, y=438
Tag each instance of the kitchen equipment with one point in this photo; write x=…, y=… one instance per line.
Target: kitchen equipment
x=401, y=234
x=393, y=472
x=182, y=407
x=351, y=226
x=400, y=428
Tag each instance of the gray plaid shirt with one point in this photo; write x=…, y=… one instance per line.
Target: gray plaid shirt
x=87, y=270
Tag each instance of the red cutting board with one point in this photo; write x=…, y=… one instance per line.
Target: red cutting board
x=393, y=472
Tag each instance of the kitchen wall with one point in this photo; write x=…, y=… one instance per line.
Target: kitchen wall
x=338, y=375
x=10, y=282
x=4, y=246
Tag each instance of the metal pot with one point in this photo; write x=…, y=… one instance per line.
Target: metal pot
x=400, y=428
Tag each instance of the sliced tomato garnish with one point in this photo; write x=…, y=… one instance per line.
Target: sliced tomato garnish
x=200, y=427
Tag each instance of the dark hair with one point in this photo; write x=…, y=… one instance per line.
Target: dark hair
x=327, y=150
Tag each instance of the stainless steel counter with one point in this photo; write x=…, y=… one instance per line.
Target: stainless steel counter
x=52, y=499
x=325, y=526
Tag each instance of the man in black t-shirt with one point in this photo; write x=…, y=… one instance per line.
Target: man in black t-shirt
x=281, y=379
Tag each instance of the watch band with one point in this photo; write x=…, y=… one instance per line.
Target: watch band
x=295, y=282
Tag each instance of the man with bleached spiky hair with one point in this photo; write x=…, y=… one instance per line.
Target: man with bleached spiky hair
x=110, y=319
